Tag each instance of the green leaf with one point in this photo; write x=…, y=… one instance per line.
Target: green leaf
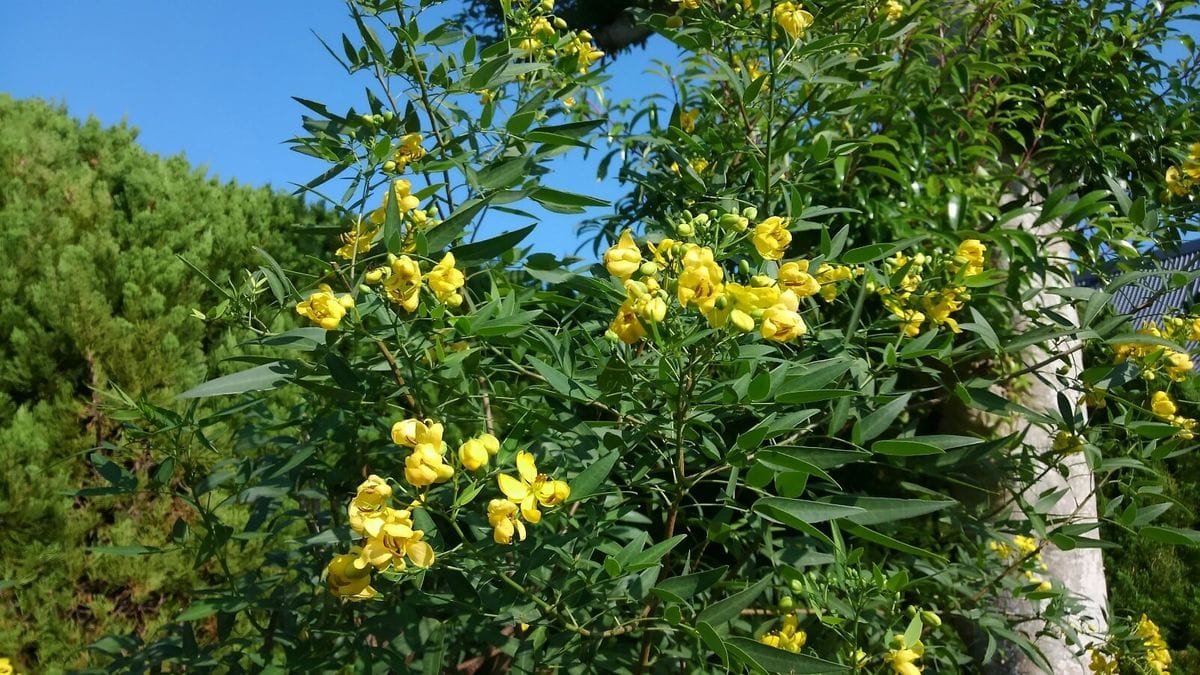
x=197, y=610
x=890, y=542
x=792, y=511
x=547, y=196
x=564, y=385
x=591, y=478
x=774, y=660
x=887, y=509
x=442, y=235
x=504, y=173
x=1171, y=535
x=687, y=585
x=878, y=421
x=1152, y=429
x=814, y=395
x=904, y=447
x=873, y=252
x=259, y=378
x=487, y=71
x=725, y=610
x=483, y=251
x=651, y=556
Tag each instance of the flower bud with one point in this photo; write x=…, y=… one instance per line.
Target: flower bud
x=685, y=229
x=786, y=603
x=389, y=166
x=930, y=618
x=797, y=586
x=744, y=266
x=750, y=213
x=674, y=21
x=648, y=269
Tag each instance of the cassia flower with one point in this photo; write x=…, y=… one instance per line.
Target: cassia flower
x=533, y=488
x=403, y=285
x=445, y=280
x=349, y=576
x=505, y=520
x=623, y=258
x=902, y=658
x=792, y=18
x=788, y=637
x=325, y=308
x=771, y=238
x=474, y=453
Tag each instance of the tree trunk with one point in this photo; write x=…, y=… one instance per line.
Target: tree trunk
x=1081, y=570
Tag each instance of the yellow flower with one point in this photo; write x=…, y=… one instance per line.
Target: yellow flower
x=396, y=540
x=6, y=667
x=1101, y=664
x=623, y=258
x=687, y=118
x=894, y=10
x=792, y=18
x=505, y=520
x=1026, y=545
x=403, y=284
x=771, y=238
x=324, y=308
x=787, y=637
x=902, y=657
x=1162, y=405
x=1179, y=366
x=910, y=319
x=1067, y=443
x=625, y=325
x=401, y=191
x=687, y=4
x=533, y=488
x=445, y=280
x=426, y=465
x=782, y=322
x=349, y=576
x=475, y=452
x=939, y=306
x=585, y=52
x=413, y=432
x=700, y=281
x=356, y=241
x=410, y=151
x=1177, y=184
x=794, y=276
x=368, y=509
x=971, y=252
x=1001, y=548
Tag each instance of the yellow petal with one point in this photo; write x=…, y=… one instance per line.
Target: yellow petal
x=526, y=467
x=420, y=553
x=529, y=509
x=512, y=488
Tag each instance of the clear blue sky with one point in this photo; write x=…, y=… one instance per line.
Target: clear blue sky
x=214, y=80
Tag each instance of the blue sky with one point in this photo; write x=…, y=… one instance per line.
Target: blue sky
x=214, y=80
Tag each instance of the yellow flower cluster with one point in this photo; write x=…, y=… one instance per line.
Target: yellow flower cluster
x=935, y=306
x=426, y=465
x=787, y=637
x=389, y=538
x=1181, y=179
x=357, y=241
x=1164, y=408
x=1157, y=655
x=1151, y=357
x=894, y=10
x=1102, y=664
x=6, y=667
x=902, y=656
x=1067, y=443
x=1026, y=550
x=412, y=218
x=402, y=280
x=792, y=18
x=409, y=151
x=325, y=308
x=540, y=34
x=687, y=120
x=687, y=4
x=691, y=274
x=523, y=495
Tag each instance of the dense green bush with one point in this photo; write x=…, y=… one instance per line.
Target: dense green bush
x=95, y=231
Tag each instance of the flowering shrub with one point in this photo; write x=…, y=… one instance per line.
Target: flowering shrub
x=779, y=426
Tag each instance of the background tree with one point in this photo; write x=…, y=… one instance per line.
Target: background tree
x=96, y=231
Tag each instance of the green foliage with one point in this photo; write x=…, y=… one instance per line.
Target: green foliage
x=97, y=296
x=795, y=383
